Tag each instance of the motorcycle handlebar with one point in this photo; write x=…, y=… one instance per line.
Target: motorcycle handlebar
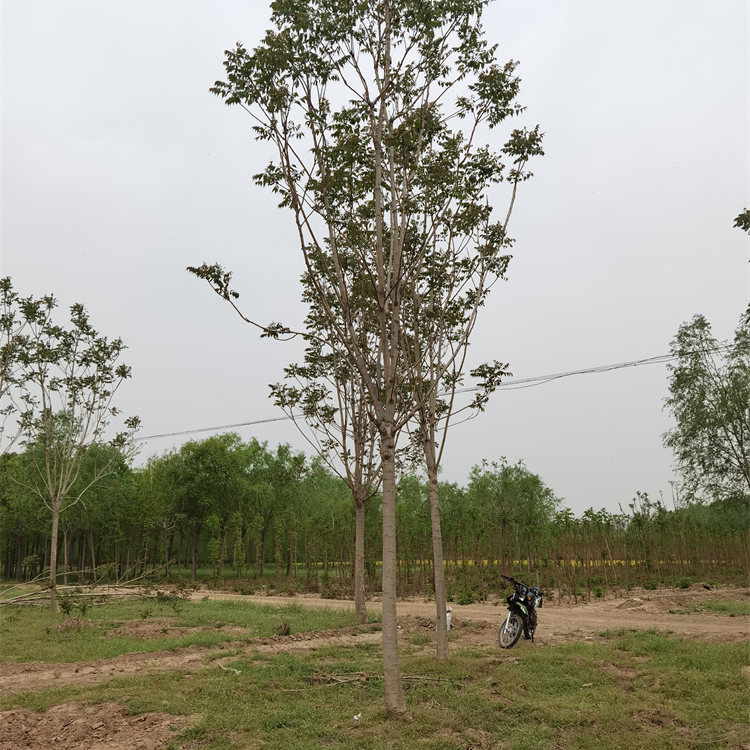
x=513, y=580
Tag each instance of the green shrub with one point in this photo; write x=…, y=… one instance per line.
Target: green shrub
x=467, y=596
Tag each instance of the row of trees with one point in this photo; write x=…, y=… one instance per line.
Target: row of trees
x=273, y=517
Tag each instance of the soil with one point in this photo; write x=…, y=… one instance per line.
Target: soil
x=567, y=621
x=106, y=726
x=110, y=726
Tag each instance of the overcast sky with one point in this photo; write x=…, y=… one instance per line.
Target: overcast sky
x=120, y=169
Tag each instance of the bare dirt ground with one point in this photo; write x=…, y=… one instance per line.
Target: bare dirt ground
x=560, y=622
x=106, y=726
x=110, y=726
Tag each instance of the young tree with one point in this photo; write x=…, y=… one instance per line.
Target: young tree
x=328, y=396
x=66, y=388
x=356, y=100
x=709, y=398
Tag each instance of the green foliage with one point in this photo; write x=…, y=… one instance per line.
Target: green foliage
x=733, y=608
x=467, y=596
x=710, y=401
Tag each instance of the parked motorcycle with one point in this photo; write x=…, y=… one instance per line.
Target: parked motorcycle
x=522, y=606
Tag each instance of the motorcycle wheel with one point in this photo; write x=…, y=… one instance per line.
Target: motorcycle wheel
x=511, y=631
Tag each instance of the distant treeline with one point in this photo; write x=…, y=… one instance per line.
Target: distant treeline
x=254, y=516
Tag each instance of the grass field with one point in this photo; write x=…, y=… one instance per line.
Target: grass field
x=628, y=689
x=36, y=634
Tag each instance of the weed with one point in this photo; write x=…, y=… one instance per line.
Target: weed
x=421, y=639
x=732, y=608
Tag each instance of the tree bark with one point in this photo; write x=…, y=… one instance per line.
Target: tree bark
x=65, y=555
x=196, y=534
x=441, y=619
x=360, y=606
x=166, y=553
x=53, y=558
x=394, y=694
x=93, y=555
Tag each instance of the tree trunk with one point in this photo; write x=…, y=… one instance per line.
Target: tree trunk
x=222, y=554
x=53, y=557
x=196, y=534
x=93, y=556
x=166, y=553
x=394, y=694
x=65, y=555
x=360, y=606
x=441, y=619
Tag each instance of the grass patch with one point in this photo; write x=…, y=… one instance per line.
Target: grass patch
x=421, y=639
x=643, y=689
x=733, y=608
x=34, y=634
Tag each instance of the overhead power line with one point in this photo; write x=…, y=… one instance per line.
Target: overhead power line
x=510, y=386
x=542, y=379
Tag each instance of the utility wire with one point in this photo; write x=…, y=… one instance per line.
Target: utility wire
x=515, y=385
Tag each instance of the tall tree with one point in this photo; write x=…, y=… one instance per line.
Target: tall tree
x=709, y=389
x=208, y=483
x=67, y=386
x=356, y=100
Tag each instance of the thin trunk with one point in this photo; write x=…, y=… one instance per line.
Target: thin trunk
x=53, y=558
x=93, y=555
x=196, y=535
x=394, y=694
x=223, y=550
x=65, y=556
x=166, y=553
x=315, y=557
x=441, y=619
x=263, y=556
x=360, y=607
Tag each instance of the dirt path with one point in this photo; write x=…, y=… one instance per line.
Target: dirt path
x=22, y=677
x=475, y=624
x=643, y=609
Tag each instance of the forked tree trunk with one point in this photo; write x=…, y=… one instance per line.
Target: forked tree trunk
x=360, y=606
x=394, y=694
